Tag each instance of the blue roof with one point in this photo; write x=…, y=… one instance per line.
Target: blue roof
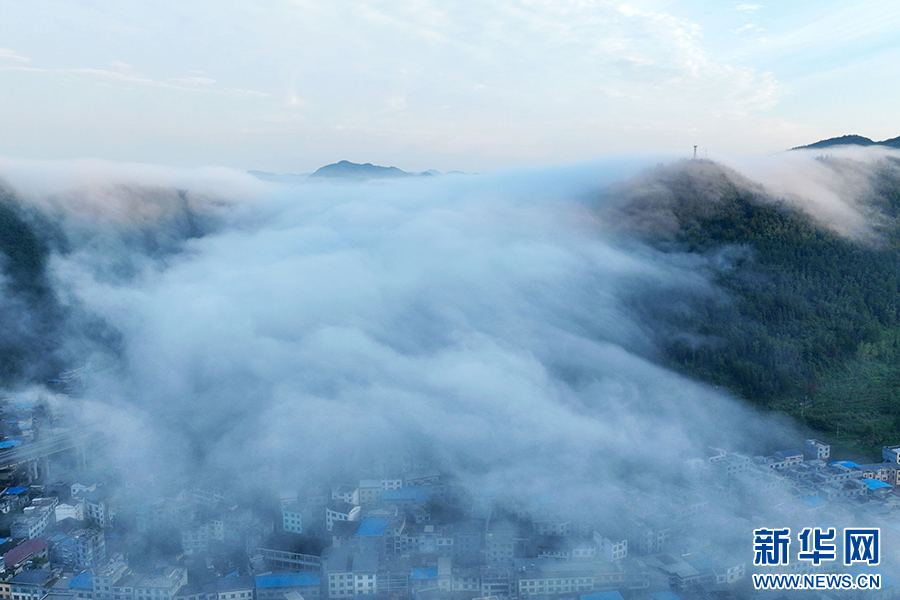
x=82, y=581
x=845, y=463
x=372, y=527
x=16, y=490
x=415, y=493
x=812, y=501
x=613, y=595
x=423, y=573
x=9, y=444
x=874, y=484
x=665, y=595
x=287, y=580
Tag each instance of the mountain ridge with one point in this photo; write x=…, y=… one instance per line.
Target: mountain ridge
x=850, y=140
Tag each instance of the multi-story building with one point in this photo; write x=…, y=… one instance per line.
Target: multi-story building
x=235, y=588
x=32, y=585
x=816, y=450
x=276, y=587
x=345, y=493
x=82, y=586
x=81, y=550
x=98, y=510
x=161, y=585
x=891, y=453
x=292, y=517
x=17, y=557
x=35, y=518
x=547, y=577
x=348, y=573
x=340, y=511
x=75, y=510
x=109, y=574
x=609, y=550
x=369, y=491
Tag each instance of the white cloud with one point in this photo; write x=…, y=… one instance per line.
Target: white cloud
x=7, y=54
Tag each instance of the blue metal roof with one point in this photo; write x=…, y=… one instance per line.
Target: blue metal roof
x=287, y=580
x=874, y=484
x=613, y=595
x=372, y=527
x=846, y=463
x=16, y=490
x=82, y=581
x=9, y=444
x=420, y=573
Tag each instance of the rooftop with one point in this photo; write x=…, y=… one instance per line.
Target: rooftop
x=230, y=584
x=613, y=595
x=23, y=551
x=37, y=577
x=372, y=527
x=419, y=573
x=82, y=581
x=287, y=580
x=874, y=484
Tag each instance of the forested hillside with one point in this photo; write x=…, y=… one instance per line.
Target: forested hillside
x=810, y=320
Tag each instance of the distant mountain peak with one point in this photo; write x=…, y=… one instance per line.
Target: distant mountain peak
x=850, y=140
x=349, y=170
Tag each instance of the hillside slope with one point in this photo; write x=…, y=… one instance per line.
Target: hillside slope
x=807, y=321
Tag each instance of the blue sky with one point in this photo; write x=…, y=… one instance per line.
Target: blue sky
x=290, y=85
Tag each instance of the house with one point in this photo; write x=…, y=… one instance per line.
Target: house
x=235, y=588
x=82, y=586
x=276, y=586
x=345, y=493
x=369, y=491
x=75, y=510
x=349, y=573
x=16, y=558
x=816, y=450
x=292, y=517
x=32, y=585
x=340, y=511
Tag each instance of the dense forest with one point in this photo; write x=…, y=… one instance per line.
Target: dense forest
x=809, y=323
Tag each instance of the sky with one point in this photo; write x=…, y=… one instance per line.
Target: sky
x=290, y=85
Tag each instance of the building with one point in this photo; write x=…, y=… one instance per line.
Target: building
x=35, y=518
x=98, y=510
x=292, y=518
x=104, y=578
x=16, y=558
x=235, y=588
x=891, y=453
x=369, y=491
x=70, y=511
x=340, y=511
x=162, y=584
x=275, y=587
x=80, y=550
x=82, y=586
x=816, y=450
x=32, y=585
x=786, y=458
x=349, y=573
x=609, y=550
x=345, y=493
